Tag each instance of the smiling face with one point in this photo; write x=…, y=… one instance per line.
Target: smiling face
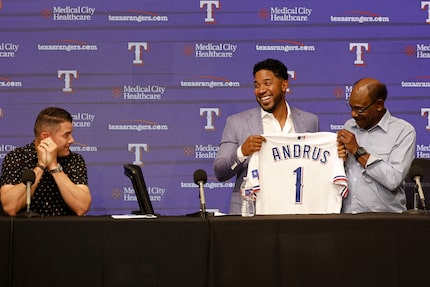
x=61, y=134
x=269, y=90
x=366, y=110
x=63, y=138
x=55, y=123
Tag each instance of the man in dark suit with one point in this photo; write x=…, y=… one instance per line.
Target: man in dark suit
x=242, y=134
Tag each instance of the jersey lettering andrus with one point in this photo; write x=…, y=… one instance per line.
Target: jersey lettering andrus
x=298, y=174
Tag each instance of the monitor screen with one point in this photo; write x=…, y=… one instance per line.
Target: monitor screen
x=134, y=172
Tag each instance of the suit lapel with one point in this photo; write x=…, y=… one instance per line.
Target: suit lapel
x=298, y=123
x=255, y=124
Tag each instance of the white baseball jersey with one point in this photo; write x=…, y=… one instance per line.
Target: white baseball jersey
x=298, y=174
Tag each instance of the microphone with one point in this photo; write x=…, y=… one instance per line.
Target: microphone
x=416, y=174
x=28, y=178
x=200, y=178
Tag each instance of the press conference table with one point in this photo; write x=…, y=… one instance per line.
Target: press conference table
x=5, y=240
x=321, y=250
x=289, y=250
x=101, y=251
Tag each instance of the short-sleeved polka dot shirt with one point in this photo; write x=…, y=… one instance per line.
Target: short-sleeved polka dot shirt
x=47, y=199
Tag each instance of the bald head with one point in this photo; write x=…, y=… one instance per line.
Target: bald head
x=372, y=88
x=367, y=102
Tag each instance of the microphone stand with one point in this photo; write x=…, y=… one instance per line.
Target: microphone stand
x=202, y=213
x=200, y=178
x=28, y=213
x=416, y=209
x=420, y=193
x=416, y=174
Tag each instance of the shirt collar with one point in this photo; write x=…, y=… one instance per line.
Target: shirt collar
x=267, y=114
x=382, y=124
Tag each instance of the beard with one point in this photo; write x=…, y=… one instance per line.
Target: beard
x=271, y=108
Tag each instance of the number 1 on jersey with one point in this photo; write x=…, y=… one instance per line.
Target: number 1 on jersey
x=299, y=184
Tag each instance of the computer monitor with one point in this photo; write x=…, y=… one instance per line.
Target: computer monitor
x=134, y=172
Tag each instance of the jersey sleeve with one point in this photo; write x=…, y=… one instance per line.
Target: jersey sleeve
x=339, y=176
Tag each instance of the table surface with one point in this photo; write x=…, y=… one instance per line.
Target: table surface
x=279, y=250
x=320, y=250
x=5, y=241
x=101, y=251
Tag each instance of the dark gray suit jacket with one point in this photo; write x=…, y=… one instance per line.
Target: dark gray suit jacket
x=237, y=129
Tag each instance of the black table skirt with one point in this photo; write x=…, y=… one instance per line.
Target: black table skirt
x=390, y=250
x=100, y=251
x=320, y=250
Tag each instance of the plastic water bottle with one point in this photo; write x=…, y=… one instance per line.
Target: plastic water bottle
x=248, y=207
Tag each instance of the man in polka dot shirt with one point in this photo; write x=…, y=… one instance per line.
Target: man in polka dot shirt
x=61, y=184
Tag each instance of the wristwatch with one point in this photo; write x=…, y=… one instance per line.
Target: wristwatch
x=59, y=168
x=42, y=167
x=360, y=151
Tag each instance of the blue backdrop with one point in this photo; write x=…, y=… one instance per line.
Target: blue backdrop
x=151, y=82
